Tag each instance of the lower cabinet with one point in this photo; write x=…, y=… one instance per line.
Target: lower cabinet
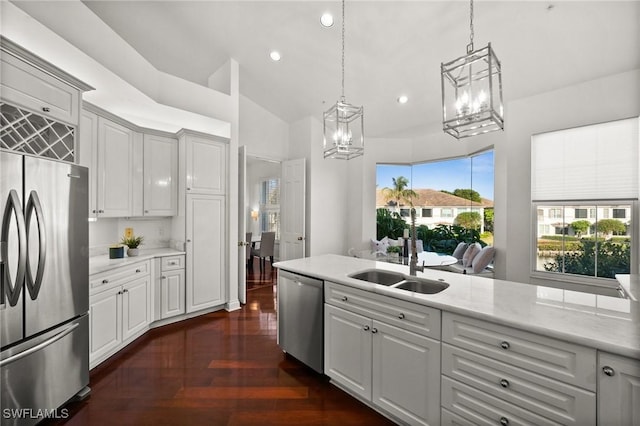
x=172, y=287
x=618, y=390
x=119, y=309
x=398, y=371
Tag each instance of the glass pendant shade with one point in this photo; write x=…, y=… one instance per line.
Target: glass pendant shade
x=343, y=131
x=472, y=94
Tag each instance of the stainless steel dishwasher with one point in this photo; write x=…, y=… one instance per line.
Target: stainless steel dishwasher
x=301, y=319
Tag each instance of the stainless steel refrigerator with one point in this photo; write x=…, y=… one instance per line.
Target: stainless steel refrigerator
x=44, y=271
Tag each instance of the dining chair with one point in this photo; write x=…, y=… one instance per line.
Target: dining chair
x=267, y=243
x=247, y=240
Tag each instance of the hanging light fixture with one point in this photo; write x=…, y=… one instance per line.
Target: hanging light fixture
x=472, y=92
x=343, y=125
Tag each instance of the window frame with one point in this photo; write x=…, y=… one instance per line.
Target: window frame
x=539, y=277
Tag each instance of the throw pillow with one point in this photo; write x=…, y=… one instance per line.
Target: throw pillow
x=459, y=251
x=380, y=246
x=482, y=259
x=470, y=253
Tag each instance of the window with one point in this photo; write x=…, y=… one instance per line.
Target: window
x=591, y=241
x=580, y=213
x=446, y=213
x=619, y=213
x=405, y=212
x=270, y=206
x=427, y=212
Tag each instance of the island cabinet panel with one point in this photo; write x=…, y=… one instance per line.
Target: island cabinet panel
x=555, y=400
x=567, y=362
x=618, y=390
x=409, y=316
x=373, y=352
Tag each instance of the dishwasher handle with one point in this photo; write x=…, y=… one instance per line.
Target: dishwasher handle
x=302, y=279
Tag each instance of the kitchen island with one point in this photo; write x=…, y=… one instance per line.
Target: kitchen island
x=502, y=350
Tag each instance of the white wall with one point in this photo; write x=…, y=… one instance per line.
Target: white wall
x=263, y=133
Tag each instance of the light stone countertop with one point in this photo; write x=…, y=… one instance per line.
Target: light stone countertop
x=606, y=323
x=102, y=262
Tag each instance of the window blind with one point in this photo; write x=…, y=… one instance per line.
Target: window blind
x=595, y=162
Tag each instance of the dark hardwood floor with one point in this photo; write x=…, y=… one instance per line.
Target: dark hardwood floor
x=222, y=368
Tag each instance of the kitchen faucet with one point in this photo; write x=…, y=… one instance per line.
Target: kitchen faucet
x=413, y=264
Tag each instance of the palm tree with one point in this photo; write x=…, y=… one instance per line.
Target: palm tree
x=399, y=192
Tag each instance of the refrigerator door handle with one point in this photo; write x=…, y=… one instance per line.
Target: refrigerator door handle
x=12, y=291
x=33, y=204
x=39, y=346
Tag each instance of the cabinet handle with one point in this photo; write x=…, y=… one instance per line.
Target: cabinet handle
x=401, y=316
x=105, y=281
x=100, y=211
x=125, y=291
x=163, y=277
x=344, y=298
x=504, y=383
x=146, y=211
x=188, y=189
x=366, y=328
x=46, y=109
x=93, y=211
x=608, y=371
x=188, y=241
x=374, y=330
x=504, y=421
x=173, y=263
x=505, y=345
x=138, y=271
x=120, y=292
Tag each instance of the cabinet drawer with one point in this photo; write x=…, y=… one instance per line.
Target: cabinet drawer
x=170, y=263
x=106, y=280
x=559, y=360
x=29, y=87
x=480, y=408
x=409, y=316
x=555, y=400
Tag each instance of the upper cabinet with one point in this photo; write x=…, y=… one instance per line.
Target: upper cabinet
x=160, y=176
x=132, y=174
x=205, y=166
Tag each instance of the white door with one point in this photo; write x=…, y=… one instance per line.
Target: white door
x=135, y=307
x=292, y=209
x=160, y=176
x=206, y=166
x=205, y=251
x=242, y=224
x=618, y=390
x=115, y=161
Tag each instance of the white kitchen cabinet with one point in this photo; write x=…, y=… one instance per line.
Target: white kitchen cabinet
x=205, y=251
x=160, y=176
x=206, y=166
x=119, y=309
x=114, y=169
x=88, y=155
x=396, y=369
x=618, y=390
x=172, y=286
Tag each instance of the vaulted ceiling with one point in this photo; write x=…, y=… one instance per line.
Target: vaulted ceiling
x=392, y=48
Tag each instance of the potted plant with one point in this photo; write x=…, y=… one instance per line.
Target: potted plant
x=394, y=251
x=132, y=243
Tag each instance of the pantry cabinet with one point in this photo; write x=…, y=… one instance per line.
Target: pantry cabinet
x=206, y=166
x=160, y=176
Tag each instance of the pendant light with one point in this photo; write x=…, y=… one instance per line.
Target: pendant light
x=472, y=91
x=343, y=125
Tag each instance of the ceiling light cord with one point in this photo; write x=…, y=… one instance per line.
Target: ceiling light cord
x=470, y=45
x=342, y=98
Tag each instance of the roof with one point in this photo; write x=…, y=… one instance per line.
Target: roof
x=434, y=198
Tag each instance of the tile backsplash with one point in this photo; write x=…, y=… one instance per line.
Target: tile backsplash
x=104, y=233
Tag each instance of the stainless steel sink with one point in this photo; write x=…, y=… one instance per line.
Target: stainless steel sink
x=378, y=276
x=401, y=281
x=422, y=286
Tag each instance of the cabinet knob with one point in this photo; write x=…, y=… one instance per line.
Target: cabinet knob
x=504, y=383
x=46, y=109
x=344, y=298
x=120, y=292
x=105, y=281
x=366, y=328
x=172, y=263
x=93, y=211
x=163, y=277
x=188, y=241
x=374, y=330
x=138, y=271
x=188, y=189
x=100, y=211
x=146, y=211
x=401, y=316
x=505, y=345
x=608, y=371
x=125, y=291
x=504, y=421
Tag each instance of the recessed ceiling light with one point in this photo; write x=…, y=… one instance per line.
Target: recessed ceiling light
x=326, y=20
x=403, y=99
x=275, y=55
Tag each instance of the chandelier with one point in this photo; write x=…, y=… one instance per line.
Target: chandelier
x=343, y=125
x=472, y=91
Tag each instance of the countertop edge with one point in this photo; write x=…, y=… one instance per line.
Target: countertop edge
x=102, y=263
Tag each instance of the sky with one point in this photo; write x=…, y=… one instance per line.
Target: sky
x=469, y=172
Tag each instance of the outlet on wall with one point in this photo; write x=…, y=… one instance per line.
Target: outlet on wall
x=128, y=232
